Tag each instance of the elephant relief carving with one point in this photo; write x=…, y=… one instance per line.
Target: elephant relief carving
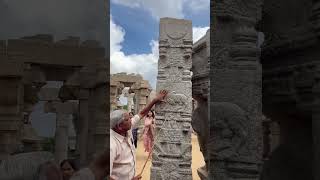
x=228, y=131
x=174, y=99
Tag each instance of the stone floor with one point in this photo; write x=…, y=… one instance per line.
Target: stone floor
x=197, y=159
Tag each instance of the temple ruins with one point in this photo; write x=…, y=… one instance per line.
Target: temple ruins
x=137, y=93
x=26, y=66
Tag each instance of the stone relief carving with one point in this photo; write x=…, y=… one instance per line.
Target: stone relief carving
x=220, y=57
x=170, y=173
x=175, y=102
x=238, y=9
x=230, y=129
x=175, y=32
x=175, y=46
x=177, y=99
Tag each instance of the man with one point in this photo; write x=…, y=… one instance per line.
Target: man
x=122, y=151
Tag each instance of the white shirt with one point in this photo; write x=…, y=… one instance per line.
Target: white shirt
x=122, y=154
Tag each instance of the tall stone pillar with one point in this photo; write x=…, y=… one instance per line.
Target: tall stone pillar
x=98, y=126
x=61, y=137
x=200, y=93
x=130, y=102
x=137, y=101
x=316, y=126
x=63, y=116
x=11, y=107
x=171, y=158
x=113, y=95
x=235, y=144
x=98, y=122
x=84, y=125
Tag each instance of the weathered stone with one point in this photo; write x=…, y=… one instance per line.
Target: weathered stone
x=235, y=91
x=172, y=150
x=11, y=113
x=200, y=94
x=289, y=60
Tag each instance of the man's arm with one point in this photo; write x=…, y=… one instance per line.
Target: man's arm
x=157, y=99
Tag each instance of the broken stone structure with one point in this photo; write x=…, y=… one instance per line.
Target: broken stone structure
x=139, y=90
x=171, y=158
x=27, y=63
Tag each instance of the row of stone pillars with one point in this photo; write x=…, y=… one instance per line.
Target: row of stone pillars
x=91, y=109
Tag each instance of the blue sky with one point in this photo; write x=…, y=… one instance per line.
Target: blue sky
x=134, y=29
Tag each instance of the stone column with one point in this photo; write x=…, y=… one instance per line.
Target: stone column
x=11, y=107
x=98, y=121
x=137, y=101
x=84, y=125
x=171, y=158
x=316, y=126
x=130, y=102
x=235, y=143
x=63, y=116
x=61, y=137
x=113, y=95
x=200, y=93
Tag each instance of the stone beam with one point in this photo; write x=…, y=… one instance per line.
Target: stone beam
x=40, y=50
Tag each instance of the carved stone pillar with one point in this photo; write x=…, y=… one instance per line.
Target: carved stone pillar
x=171, y=157
x=200, y=93
x=235, y=143
x=316, y=126
x=113, y=95
x=61, y=137
x=98, y=122
x=136, y=101
x=63, y=116
x=11, y=107
x=130, y=102
x=84, y=125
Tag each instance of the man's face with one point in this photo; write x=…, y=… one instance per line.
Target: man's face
x=125, y=125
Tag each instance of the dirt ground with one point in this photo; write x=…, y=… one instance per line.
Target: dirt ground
x=197, y=159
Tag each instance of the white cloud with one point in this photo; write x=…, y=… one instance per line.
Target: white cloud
x=198, y=32
x=167, y=8
x=197, y=5
x=117, y=34
x=144, y=64
x=158, y=9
